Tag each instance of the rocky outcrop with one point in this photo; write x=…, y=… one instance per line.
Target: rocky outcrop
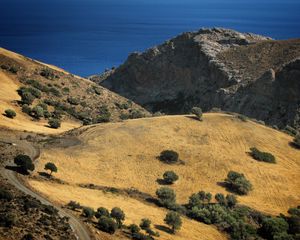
x=211, y=68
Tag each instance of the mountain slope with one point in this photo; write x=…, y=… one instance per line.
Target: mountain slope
x=212, y=68
x=124, y=156
x=61, y=95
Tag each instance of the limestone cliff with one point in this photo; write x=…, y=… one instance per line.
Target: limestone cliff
x=241, y=72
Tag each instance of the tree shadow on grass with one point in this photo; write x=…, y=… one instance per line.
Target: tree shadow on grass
x=293, y=145
x=161, y=181
x=163, y=228
x=44, y=174
x=193, y=117
x=228, y=187
x=17, y=169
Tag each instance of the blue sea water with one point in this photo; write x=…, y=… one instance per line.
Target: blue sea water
x=87, y=36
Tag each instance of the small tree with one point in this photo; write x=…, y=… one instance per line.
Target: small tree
x=10, y=113
x=145, y=223
x=198, y=112
x=25, y=162
x=170, y=177
x=134, y=228
x=238, y=182
x=107, y=224
x=50, y=166
x=119, y=215
x=101, y=211
x=37, y=112
x=169, y=156
x=54, y=123
x=88, y=212
x=166, y=196
x=173, y=219
x=74, y=205
x=231, y=200
x=220, y=198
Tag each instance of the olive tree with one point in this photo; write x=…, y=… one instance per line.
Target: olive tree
x=173, y=219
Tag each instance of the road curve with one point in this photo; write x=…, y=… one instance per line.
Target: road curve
x=79, y=229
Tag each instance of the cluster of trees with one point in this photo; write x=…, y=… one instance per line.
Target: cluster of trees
x=262, y=156
x=145, y=225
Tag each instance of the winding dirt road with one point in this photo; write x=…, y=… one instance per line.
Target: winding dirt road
x=79, y=229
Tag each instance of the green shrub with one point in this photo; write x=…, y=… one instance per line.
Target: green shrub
x=262, y=156
x=170, y=177
x=197, y=112
x=136, y=113
x=104, y=115
x=54, y=123
x=54, y=91
x=101, y=211
x=5, y=195
x=13, y=69
x=243, y=118
x=145, y=223
x=220, y=198
x=50, y=166
x=118, y=215
x=133, y=228
x=107, y=224
x=198, y=199
x=169, y=156
x=88, y=212
x=7, y=219
x=173, y=219
x=24, y=161
x=166, y=196
x=47, y=73
x=238, y=182
x=10, y=113
x=231, y=200
x=290, y=130
x=73, y=101
x=26, y=109
x=66, y=90
x=124, y=116
x=74, y=205
x=26, y=96
x=273, y=226
x=37, y=112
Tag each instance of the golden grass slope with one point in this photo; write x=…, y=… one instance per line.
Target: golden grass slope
x=123, y=155
x=8, y=100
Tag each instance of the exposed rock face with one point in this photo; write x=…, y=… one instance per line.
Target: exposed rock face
x=214, y=68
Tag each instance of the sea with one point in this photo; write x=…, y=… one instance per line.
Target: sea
x=86, y=37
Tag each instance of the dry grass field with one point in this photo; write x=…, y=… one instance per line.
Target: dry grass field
x=124, y=155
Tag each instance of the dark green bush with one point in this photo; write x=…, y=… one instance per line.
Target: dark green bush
x=13, y=69
x=145, y=223
x=198, y=112
x=198, y=199
x=54, y=123
x=73, y=101
x=104, y=115
x=37, y=112
x=169, y=156
x=238, y=183
x=88, y=212
x=107, y=224
x=133, y=228
x=262, y=156
x=26, y=109
x=24, y=161
x=50, y=166
x=74, y=205
x=26, y=96
x=173, y=219
x=170, y=177
x=54, y=91
x=5, y=195
x=47, y=73
x=166, y=196
x=136, y=113
x=7, y=219
x=118, y=215
x=101, y=211
x=273, y=226
x=10, y=113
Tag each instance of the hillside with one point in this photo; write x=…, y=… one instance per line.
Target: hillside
x=72, y=99
x=124, y=156
x=214, y=68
